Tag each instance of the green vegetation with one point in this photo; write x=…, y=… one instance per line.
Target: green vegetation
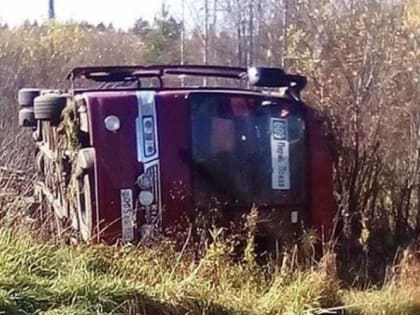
x=37, y=276
x=45, y=278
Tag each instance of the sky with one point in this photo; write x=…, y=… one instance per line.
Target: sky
x=122, y=13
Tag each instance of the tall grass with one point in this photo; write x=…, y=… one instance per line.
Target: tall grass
x=37, y=277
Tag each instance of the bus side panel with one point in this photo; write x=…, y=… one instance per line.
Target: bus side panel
x=116, y=168
x=323, y=206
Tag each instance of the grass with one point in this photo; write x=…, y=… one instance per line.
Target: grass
x=41, y=278
x=400, y=295
x=49, y=279
x=388, y=300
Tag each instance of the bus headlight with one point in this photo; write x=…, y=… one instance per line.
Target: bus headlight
x=112, y=123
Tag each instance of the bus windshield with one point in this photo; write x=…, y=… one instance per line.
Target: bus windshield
x=244, y=153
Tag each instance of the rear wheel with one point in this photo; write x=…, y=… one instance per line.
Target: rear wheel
x=26, y=96
x=26, y=117
x=84, y=208
x=49, y=107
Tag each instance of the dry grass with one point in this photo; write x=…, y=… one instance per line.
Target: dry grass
x=37, y=277
x=399, y=295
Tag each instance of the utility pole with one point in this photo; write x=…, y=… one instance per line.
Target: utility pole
x=206, y=37
x=183, y=34
x=214, y=32
x=206, y=32
x=183, y=41
x=250, y=59
x=285, y=33
x=51, y=10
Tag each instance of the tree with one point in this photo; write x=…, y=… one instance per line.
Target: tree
x=163, y=38
x=101, y=27
x=361, y=60
x=141, y=28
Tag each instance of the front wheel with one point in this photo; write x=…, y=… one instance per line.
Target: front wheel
x=84, y=207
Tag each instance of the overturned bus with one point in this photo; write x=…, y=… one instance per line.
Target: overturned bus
x=139, y=150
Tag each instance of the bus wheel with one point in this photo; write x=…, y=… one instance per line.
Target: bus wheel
x=84, y=208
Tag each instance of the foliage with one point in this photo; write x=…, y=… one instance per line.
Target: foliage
x=162, y=40
x=43, y=277
x=365, y=73
x=38, y=277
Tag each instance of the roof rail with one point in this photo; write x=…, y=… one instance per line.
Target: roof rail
x=116, y=73
x=256, y=76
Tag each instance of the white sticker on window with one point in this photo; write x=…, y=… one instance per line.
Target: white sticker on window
x=280, y=154
x=127, y=215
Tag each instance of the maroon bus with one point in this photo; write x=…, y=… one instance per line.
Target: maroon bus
x=144, y=148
